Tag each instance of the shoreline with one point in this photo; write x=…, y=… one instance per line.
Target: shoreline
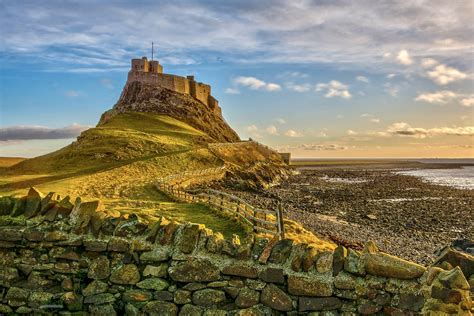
x=404, y=215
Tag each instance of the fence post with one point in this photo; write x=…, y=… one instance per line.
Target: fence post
x=281, y=227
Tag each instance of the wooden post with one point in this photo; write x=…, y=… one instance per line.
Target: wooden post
x=281, y=226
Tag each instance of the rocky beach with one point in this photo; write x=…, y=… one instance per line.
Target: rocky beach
x=353, y=203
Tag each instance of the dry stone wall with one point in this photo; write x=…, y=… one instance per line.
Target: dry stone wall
x=85, y=261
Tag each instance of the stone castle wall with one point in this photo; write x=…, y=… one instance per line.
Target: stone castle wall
x=84, y=259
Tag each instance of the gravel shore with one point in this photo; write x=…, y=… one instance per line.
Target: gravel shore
x=405, y=216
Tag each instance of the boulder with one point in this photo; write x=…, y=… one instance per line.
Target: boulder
x=457, y=258
x=182, y=297
x=190, y=310
x=189, y=237
x=318, y=285
x=160, y=270
x=194, y=270
x=126, y=274
x=272, y=275
x=324, y=262
x=273, y=297
x=95, y=287
x=453, y=279
x=281, y=251
x=339, y=258
x=99, y=299
x=345, y=281
x=156, y=255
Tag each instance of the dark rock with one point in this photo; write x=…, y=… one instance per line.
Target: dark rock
x=281, y=251
x=194, y=270
x=118, y=244
x=454, y=279
x=189, y=237
x=126, y=274
x=242, y=270
x=11, y=235
x=160, y=308
x=368, y=308
x=457, y=258
x=339, y=258
x=273, y=297
x=17, y=296
x=272, y=275
x=95, y=245
x=319, y=304
x=38, y=298
x=72, y=301
x=33, y=202
x=156, y=255
x=208, y=297
x=163, y=296
x=100, y=310
x=411, y=302
x=232, y=291
x=345, y=281
x=194, y=286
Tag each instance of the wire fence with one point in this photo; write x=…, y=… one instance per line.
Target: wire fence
x=261, y=220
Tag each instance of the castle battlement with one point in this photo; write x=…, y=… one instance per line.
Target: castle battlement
x=151, y=72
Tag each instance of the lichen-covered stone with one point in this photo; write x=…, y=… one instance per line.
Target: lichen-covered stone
x=281, y=251
x=72, y=301
x=273, y=297
x=17, y=296
x=344, y=281
x=208, y=297
x=95, y=245
x=215, y=243
x=163, y=296
x=247, y=298
x=156, y=255
x=272, y=275
x=310, y=285
x=126, y=274
x=194, y=270
x=160, y=270
x=190, y=310
x=100, y=310
x=156, y=284
x=324, y=262
x=118, y=244
x=454, y=279
x=339, y=258
x=182, y=297
x=239, y=269
x=160, y=308
x=99, y=268
x=255, y=284
x=99, y=299
x=382, y=264
x=39, y=298
x=189, y=237
x=133, y=296
x=318, y=303
x=33, y=203
x=353, y=264
x=95, y=287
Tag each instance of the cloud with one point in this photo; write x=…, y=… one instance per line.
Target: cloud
x=272, y=130
x=404, y=58
x=322, y=147
x=305, y=87
x=17, y=133
x=78, y=33
x=293, y=133
x=280, y=120
x=352, y=133
x=362, y=79
x=391, y=89
x=374, y=120
x=232, y=91
x=405, y=129
x=428, y=62
x=443, y=74
x=334, y=88
x=252, y=129
x=446, y=96
x=391, y=76
x=256, y=84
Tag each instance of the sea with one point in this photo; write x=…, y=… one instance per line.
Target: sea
x=462, y=178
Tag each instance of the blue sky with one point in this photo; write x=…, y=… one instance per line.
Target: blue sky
x=317, y=78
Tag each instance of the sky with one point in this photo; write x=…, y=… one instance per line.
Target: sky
x=314, y=78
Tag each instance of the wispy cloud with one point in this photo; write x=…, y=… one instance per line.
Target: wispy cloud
x=445, y=97
x=304, y=87
x=293, y=133
x=72, y=93
x=404, y=58
x=232, y=91
x=17, y=133
x=362, y=79
x=256, y=84
x=405, y=129
x=334, y=88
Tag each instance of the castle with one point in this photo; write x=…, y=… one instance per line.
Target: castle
x=152, y=72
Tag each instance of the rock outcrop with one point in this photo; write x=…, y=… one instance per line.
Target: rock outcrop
x=144, y=97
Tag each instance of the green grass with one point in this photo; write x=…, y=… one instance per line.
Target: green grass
x=118, y=163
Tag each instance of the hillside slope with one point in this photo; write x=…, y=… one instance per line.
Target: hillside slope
x=143, y=97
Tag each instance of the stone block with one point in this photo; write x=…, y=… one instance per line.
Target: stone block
x=319, y=304
x=273, y=297
x=208, y=297
x=194, y=270
x=310, y=285
x=126, y=274
x=239, y=269
x=272, y=275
